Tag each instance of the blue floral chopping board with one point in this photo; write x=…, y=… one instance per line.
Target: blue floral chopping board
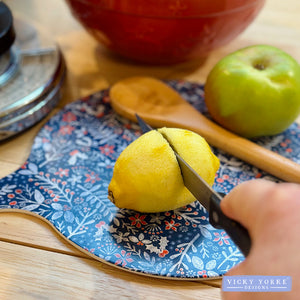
x=66, y=177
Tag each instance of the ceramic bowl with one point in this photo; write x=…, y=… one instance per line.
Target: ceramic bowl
x=164, y=31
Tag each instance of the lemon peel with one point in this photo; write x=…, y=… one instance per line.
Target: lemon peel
x=147, y=177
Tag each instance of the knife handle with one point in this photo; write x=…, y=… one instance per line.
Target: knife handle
x=238, y=233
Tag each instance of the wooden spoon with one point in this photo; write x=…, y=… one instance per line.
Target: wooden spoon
x=159, y=105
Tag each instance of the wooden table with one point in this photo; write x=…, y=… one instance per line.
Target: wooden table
x=36, y=263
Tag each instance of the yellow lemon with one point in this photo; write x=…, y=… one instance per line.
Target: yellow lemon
x=147, y=177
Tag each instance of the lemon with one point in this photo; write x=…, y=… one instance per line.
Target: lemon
x=147, y=177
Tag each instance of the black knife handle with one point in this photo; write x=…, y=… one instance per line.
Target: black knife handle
x=238, y=233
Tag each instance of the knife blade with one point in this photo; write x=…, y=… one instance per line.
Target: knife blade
x=208, y=198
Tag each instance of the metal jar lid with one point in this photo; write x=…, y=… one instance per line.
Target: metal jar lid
x=32, y=71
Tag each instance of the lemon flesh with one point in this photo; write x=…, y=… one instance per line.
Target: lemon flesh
x=147, y=177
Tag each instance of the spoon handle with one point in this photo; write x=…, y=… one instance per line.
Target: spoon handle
x=242, y=148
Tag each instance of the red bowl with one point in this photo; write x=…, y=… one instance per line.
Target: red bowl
x=164, y=31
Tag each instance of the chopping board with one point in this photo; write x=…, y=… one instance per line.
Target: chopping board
x=65, y=179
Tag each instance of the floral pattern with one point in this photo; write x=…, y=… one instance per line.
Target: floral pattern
x=66, y=177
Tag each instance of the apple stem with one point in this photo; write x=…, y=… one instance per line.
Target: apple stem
x=259, y=66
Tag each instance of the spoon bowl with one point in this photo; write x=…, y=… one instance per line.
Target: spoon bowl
x=159, y=105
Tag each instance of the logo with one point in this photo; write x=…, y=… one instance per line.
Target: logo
x=248, y=283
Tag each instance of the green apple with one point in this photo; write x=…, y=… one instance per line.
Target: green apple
x=254, y=91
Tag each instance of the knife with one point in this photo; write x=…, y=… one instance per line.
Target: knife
x=209, y=199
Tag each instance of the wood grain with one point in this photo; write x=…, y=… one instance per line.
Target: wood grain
x=59, y=276
x=35, y=262
x=22, y=229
